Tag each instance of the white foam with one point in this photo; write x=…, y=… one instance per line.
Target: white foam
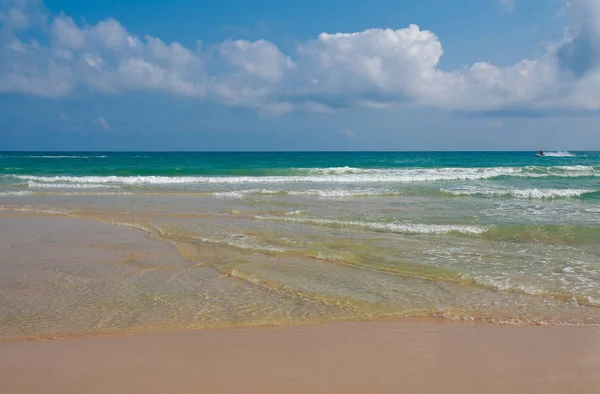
x=238, y=195
x=61, y=157
x=593, y=300
x=295, y=213
x=337, y=170
x=36, y=185
x=16, y=193
x=244, y=243
x=506, y=284
x=339, y=192
x=559, y=154
x=520, y=193
x=90, y=194
x=362, y=176
x=575, y=168
x=307, y=192
x=401, y=228
x=412, y=175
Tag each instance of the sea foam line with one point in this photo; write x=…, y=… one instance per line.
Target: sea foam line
x=364, y=176
x=401, y=228
x=36, y=185
x=16, y=193
x=58, y=157
x=520, y=193
x=333, y=193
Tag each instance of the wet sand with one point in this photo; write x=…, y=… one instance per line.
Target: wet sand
x=60, y=268
x=410, y=356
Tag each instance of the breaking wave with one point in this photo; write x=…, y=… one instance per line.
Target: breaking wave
x=57, y=157
x=520, y=193
x=341, y=175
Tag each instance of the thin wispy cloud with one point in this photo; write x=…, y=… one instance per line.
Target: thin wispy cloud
x=509, y=5
x=100, y=121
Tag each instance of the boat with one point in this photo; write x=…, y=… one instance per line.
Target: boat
x=539, y=154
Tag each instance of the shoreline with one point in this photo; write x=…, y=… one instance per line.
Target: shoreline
x=88, y=242
x=433, y=320
x=411, y=355
x=108, y=277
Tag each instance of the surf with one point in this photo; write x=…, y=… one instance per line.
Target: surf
x=326, y=176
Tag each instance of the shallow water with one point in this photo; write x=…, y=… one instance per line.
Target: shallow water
x=502, y=237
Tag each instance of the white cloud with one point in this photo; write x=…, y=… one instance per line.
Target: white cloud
x=377, y=64
x=67, y=34
x=260, y=59
x=20, y=15
x=252, y=72
x=100, y=121
x=375, y=68
x=102, y=57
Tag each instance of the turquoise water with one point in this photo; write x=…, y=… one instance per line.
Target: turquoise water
x=483, y=174
x=268, y=163
x=498, y=236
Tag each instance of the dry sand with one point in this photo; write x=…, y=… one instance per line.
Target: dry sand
x=410, y=356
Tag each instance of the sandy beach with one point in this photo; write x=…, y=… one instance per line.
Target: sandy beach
x=63, y=271
x=410, y=356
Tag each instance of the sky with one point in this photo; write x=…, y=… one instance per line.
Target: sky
x=311, y=75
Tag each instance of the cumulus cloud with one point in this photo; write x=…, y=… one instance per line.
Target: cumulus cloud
x=251, y=73
x=104, y=57
x=376, y=68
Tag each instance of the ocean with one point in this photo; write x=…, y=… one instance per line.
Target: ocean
x=501, y=237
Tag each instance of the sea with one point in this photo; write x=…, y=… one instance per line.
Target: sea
x=499, y=237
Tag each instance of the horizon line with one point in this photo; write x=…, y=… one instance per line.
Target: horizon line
x=294, y=151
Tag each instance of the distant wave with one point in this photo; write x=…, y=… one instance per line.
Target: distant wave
x=520, y=193
x=401, y=228
x=354, y=176
x=57, y=157
x=559, y=154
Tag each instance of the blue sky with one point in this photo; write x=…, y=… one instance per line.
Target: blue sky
x=260, y=75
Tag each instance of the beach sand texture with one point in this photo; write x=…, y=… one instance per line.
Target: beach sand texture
x=55, y=265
